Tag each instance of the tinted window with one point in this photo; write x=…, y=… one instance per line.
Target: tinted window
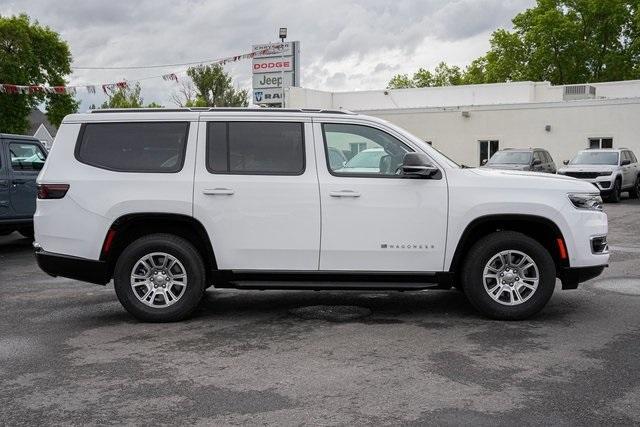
x=633, y=157
x=255, y=148
x=548, y=157
x=26, y=157
x=370, y=150
x=134, y=147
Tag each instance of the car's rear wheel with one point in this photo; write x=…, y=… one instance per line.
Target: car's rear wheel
x=508, y=276
x=160, y=278
x=634, y=192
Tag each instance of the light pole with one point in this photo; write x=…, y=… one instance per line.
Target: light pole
x=283, y=35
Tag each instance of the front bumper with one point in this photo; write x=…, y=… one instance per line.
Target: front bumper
x=602, y=183
x=86, y=270
x=572, y=276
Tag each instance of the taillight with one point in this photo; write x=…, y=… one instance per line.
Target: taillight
x=52, y=191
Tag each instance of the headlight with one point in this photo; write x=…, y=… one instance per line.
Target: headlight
x=604, y=173
x=589, y=201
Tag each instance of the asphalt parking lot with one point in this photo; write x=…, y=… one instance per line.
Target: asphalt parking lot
x=69, y=354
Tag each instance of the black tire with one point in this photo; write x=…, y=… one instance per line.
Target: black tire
x=175, y=246
x=614, y=196
x=634, y=192
x=27, y=232
x=483, y=251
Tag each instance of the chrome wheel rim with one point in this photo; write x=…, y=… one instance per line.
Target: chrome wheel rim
x=158, y=280
x=511, y=277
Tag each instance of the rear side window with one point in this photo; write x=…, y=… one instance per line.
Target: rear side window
x=134, y=147
x=26, y=156
x=255, y=148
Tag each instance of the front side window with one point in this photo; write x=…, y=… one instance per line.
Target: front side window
x=255, y=148
x=26, y=157
x=370, y=151
x=134, y=147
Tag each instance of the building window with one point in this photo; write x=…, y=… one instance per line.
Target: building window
x=600, y=142
x=487, y=149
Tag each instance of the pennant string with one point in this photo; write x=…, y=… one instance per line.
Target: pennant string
x=9, y=88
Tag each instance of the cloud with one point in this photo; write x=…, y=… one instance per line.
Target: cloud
x=345, y=44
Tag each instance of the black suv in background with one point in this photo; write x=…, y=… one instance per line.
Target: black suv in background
x=522, y=159
x=21, y=159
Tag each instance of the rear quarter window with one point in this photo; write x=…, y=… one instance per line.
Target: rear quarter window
x=152, y=147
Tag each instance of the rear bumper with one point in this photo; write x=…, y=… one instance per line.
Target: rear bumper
x=86, y=270
x=572, y=276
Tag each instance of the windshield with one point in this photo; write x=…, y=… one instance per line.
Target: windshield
x=510, y=157
x=595, y=158
x=366, y=159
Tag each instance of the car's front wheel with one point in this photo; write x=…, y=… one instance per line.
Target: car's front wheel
x=160, y=278
x=614, y=195
x=508, y=276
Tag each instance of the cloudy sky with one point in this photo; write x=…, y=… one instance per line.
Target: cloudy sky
x=346, y=45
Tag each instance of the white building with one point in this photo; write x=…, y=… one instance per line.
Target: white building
x=465, y=122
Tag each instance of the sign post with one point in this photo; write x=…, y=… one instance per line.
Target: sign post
x=274, y=69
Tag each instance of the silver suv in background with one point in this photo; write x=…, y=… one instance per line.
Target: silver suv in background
x=611, y=170
x=526, y=159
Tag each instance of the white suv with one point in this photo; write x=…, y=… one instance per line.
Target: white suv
x=611, y=170
x=170, y=202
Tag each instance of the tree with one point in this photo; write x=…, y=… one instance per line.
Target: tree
x=128, y=97
x=31, y=54
x=561, y=41
x=185, y=95
x=442, y=75
x=214, y=89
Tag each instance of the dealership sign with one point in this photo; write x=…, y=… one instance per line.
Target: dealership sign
x=271, y=80
x=275, y=66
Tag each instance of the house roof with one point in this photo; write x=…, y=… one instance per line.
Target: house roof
x=37, y=118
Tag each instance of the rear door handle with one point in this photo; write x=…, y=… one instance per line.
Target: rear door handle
x=218, y=191
x=344, y=193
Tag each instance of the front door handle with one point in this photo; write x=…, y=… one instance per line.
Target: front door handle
x=344, y=193
x=218, y=191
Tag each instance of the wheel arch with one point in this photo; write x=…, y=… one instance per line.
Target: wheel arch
x=130, y=227
x=541, y=229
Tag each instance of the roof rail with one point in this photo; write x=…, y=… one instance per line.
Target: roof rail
x=221, y=109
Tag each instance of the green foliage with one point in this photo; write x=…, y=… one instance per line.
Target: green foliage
x=561, y=41
x=128, y=97
x=214, y=89
x=31, y=54
x=442, y=75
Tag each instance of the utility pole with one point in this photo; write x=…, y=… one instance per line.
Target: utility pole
x=283, y=35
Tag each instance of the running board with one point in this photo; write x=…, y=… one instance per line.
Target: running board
x=331, y=280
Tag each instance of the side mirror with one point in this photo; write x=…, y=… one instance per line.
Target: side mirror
x=536, y=162
x=484, y=162
x=625, y=162
x=418, y=165
x=565, y=162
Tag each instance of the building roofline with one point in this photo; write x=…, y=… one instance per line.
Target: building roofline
x=510, y=106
